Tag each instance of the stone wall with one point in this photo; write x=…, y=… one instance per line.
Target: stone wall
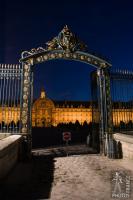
x=9, y=151
x=127, y=144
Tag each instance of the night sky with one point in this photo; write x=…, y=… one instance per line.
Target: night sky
x=105, y=26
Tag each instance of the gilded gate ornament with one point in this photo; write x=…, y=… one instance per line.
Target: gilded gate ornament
x=65, y=45
x=67, y=41
x=53, y=44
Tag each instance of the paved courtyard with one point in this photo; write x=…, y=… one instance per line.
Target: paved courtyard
x=75, y=177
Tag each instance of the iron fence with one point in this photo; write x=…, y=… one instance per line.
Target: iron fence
x=10, y=98
x=122, y=100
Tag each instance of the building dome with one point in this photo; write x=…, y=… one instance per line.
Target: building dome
x=42, y=110
x=43, y=102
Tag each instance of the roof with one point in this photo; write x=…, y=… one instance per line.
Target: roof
x=74, y=104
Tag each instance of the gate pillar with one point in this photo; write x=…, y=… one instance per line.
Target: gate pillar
x=109, y=142
x=100, y=85
x=26, y=108
x=106, y=117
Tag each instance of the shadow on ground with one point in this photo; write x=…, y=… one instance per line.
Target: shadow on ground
x=32, y=180
x=64, y=150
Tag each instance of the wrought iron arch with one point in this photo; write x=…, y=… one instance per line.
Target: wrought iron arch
x=66, y=46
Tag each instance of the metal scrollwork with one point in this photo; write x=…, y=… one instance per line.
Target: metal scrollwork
x=66, y=41
x=65, y=45
x=32, y=52
x=52, y=44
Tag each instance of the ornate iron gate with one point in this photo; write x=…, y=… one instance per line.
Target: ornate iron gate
x=16, y=89
x=11, y=80
x=67, y=46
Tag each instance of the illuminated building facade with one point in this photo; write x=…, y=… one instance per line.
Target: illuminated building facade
x=46, y=113
x=9, y=114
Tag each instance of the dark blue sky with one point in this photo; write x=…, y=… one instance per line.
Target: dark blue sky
x=105, y=26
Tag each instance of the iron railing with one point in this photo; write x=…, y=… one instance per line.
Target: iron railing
x=10, y=98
